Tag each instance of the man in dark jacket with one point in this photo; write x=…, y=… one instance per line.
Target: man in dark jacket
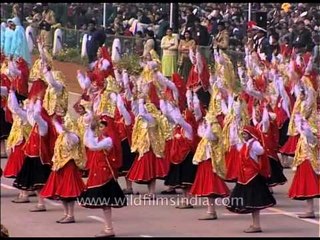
x=200, y=34
x=303, y=41
x=95, y=39
x=262, y=45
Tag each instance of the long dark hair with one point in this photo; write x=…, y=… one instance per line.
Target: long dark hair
x=150, y=33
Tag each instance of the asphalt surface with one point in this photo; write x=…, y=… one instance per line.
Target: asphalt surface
x=158, y=218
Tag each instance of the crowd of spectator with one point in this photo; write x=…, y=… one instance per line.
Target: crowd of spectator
x=200, y=19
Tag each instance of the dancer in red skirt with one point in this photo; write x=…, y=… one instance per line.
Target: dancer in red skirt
x=39, y=151
x=211, y=170
x=306, y=182
x=17, y=138
x=125, y=123
x=149, y=134
x=270, y=134
x=233, y=124
x=251, y=193
x=67, y=160
x=102, y=189
x=182, y=171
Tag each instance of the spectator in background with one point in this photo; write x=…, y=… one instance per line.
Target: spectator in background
x=262, y=46
x=191, y=18
x=303, y=40
x=139, y=44
x=169, y=45
x=16, y=12
x=184, y=62
x=149, y=44
x=200, y=33
x=95, y=39
x=34, y=20
x=19, y=45
x=274, y=43
x=163, y=26
x=221, y=42
x=142, y=18
x=82, y=18
x=117, y=26
x=48, y=19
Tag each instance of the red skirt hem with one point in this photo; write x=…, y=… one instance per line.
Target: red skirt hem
x=15, y=162
x=290, y=146
x=64, y=183
x=148, y=168
x=305, y=183
x=207, y=183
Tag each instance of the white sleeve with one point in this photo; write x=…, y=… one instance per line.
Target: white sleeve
x=73, y=139
x=163, y=107
x=189, y=98
x=58, y=127
x=3, y=91
x=118, y=77
x=209, y=134
x=311, y=138
x=196, y=106
x=42, y=124
x=92, y=142
x=14, y=107
x=124, y=112
x=13, y=70
x=265, y=120
x=84, y=82
x=256, y=150
x=113, y=98
x=105, y=64
x=167, y=83
x=125, y=79
x=201, y=130
x=135, y=107
x=254, y=120
x=147, y=116
x=55, y=84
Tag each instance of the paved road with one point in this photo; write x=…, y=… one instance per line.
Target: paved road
x=157, y=219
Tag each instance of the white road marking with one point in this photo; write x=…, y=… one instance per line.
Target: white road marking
x=289, y=214
x=99, y=219
x=276, y=211
x=145, y=236
x=8, y=186
x=53, y=203
x=261, y=213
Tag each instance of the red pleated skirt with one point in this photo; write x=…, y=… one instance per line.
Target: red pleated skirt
x=148, y=168
x=305, y=183
x=167, y=151
x=15, y=162
x=89, y=162
x=207, y=183
x=64, y=183
x=290, y=146
x=232, y=164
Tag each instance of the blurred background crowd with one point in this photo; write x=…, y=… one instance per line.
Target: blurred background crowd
x=286, y=23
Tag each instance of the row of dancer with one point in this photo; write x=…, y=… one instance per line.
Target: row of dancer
x=194, y=135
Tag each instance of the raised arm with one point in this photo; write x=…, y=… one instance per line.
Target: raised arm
x=42, y=124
